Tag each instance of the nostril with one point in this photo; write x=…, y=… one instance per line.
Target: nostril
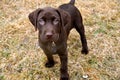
x=49, y=35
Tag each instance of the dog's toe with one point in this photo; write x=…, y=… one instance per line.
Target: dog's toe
x=85, y=51
x=49, y=64
x=65, y=77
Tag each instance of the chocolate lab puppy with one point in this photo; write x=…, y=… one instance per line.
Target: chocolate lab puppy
x=54, y=26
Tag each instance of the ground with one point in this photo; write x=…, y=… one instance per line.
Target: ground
x=22, y=59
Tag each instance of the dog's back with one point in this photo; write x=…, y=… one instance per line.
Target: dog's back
x=72, y=10
x=76, y=22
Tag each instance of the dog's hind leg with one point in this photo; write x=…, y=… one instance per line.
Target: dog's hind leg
x=80, y=29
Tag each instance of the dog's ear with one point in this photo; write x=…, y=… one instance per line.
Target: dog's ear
x=64, y=17
x=61, y=14
x=33, y=17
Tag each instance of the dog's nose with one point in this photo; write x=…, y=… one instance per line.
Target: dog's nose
x=49, y=35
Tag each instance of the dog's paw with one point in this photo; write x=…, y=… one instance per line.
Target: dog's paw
x=64, y=77
x=85, y=51
x=49, y=64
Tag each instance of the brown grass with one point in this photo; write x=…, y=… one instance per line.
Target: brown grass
x=22, y=59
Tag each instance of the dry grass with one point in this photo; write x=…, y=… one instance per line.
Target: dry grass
x=22, y=59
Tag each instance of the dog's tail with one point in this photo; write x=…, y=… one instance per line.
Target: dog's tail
x=72, y=2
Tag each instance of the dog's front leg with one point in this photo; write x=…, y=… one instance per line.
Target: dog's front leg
x=50, y=61
x=64, y=69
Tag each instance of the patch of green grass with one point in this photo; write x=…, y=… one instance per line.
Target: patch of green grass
x=4, y=54
x=92, y=61
x=2, y=77
x=102, y=28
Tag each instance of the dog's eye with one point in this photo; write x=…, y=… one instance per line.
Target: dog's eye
x=55, y=21
x=42, y=22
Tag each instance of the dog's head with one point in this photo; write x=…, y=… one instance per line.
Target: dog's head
x=49, y=22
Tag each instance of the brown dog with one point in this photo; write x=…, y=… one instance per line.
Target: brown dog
x=54, y=26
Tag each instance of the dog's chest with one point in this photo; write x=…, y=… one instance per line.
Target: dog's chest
x=52, y=48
